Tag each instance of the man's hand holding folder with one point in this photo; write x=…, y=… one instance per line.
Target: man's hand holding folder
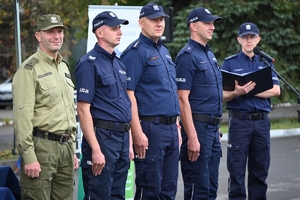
x=262, y=79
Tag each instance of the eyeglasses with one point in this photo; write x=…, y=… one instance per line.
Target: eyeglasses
x=251, y=37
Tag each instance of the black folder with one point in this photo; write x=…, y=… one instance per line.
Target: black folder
x=262, y=78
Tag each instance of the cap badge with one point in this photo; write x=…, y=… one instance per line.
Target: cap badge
x=112, y=14
x=54, y=20
x=248, y=27
x=155, y=7
x=207, y=11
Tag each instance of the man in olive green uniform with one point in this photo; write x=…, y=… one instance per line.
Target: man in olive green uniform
x=44, y=117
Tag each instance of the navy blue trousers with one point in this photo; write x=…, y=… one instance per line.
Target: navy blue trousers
x=110, y=184
x=157, y=174
x=248, y=140
x=201, y=177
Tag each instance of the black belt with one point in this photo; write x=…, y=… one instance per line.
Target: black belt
x=249, y=116
x=160, y=119
x=63, y=138
x=112, y=126
x=208, y=119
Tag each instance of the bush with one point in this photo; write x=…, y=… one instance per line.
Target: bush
x=8, y=155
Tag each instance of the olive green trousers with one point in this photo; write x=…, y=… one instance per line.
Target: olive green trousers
x=56, y=179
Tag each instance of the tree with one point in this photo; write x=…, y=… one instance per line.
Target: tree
x=278, y=21
x=73, y=13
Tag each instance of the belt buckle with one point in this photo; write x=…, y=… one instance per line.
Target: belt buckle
x=168, y=120
x=127, y=127
x=64, y=138
x=218, y=120
x=256, y=116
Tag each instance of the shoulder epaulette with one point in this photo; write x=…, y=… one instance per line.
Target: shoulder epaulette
x=232, y=56
x=66, y=63
x=137, y=44
x=91, y=58
x=188, y=49
x=30, y=64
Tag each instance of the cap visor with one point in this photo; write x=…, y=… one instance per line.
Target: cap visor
x=52, y=26
x=212, y=19
x=157, y=15
x=118, y=22
x=248, y=33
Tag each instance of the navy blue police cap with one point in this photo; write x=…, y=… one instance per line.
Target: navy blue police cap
x=248, y=28
x=203, y=15
x=107, y=18
x=152, y=11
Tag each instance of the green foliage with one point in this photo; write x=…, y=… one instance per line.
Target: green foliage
x=73, y=13
x=278, y=21
x=7, y=155
x=285, y=123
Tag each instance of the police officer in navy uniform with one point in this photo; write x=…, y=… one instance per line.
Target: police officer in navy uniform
x=152, y=89
x=200, y=93
x=249, y=124
x=104, y=112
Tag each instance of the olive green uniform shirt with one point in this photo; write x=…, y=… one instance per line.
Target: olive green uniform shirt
x=43, y=98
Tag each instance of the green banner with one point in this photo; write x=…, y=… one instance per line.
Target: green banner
x=129, y=189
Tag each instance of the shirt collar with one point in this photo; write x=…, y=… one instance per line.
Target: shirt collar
x=199, y=46
x=105, y=53
x=150, y=42
x=246, y=57
x=48, y=58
